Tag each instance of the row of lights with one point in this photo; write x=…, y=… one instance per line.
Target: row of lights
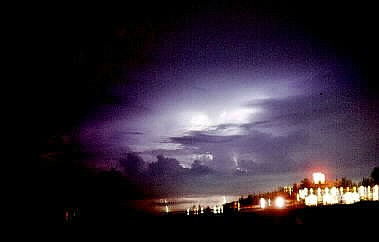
x=218, y=209
x=278, y=203
x=334, y=195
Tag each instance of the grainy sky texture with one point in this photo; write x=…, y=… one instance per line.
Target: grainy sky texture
x=257, y=89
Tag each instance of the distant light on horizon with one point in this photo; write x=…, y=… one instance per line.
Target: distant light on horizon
x=217, y=108
x=318, y=178
x=262, y=202
x=279, y=202
x=348, y=198
x=311, y=200
x=375, y=194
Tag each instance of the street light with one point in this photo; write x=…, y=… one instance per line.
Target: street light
x=262, y=202
x=279, y=202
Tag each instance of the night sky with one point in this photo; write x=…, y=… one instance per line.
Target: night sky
x=251, y=89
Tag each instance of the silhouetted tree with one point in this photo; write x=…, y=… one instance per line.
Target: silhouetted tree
x=345, y=182
x=366, y=181
x=305, y=183
x=133, y=165
x=251, y=199
x=199, y=169
x=295, y=190
x=375, y=175
x=165, y=167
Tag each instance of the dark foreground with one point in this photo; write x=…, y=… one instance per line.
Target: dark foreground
x=356, y=214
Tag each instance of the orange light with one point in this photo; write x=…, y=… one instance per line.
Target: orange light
x=262, y=202
x=279, y=202
x=375, y=194
x=318, y=178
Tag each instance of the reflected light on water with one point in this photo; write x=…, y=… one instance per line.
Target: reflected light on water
x=178, y=204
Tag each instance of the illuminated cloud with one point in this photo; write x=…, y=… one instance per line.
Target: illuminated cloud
x=235, y=88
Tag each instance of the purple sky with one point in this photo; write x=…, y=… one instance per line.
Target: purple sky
x=256, y=88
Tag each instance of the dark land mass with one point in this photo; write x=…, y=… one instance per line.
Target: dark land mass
x=358, y=214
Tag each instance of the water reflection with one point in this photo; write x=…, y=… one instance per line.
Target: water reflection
x=183, y=204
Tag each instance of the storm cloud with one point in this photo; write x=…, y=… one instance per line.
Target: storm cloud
x=235, y=88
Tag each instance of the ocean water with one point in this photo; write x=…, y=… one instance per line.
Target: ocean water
x=180, y=204
x=210, y=191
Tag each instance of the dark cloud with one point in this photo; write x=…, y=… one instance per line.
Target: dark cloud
x=164, y=176
x=165, y=152
x=262, y=148
x=133, y=165
x=198, y=168
x=165, y=167
x=123, y=85
x=133, y=132
x=196, y=138
x=333, y=123
x=298, y=110
x=292, y=132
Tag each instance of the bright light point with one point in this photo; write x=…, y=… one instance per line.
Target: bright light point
x=262, y=202
x=375, y=194
x=318, y=178
x=348, y=198
x=311, y=200
x=334, y=195
x=327, y=199
x=279, y=202
x=361, y=192
x=302, y=193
